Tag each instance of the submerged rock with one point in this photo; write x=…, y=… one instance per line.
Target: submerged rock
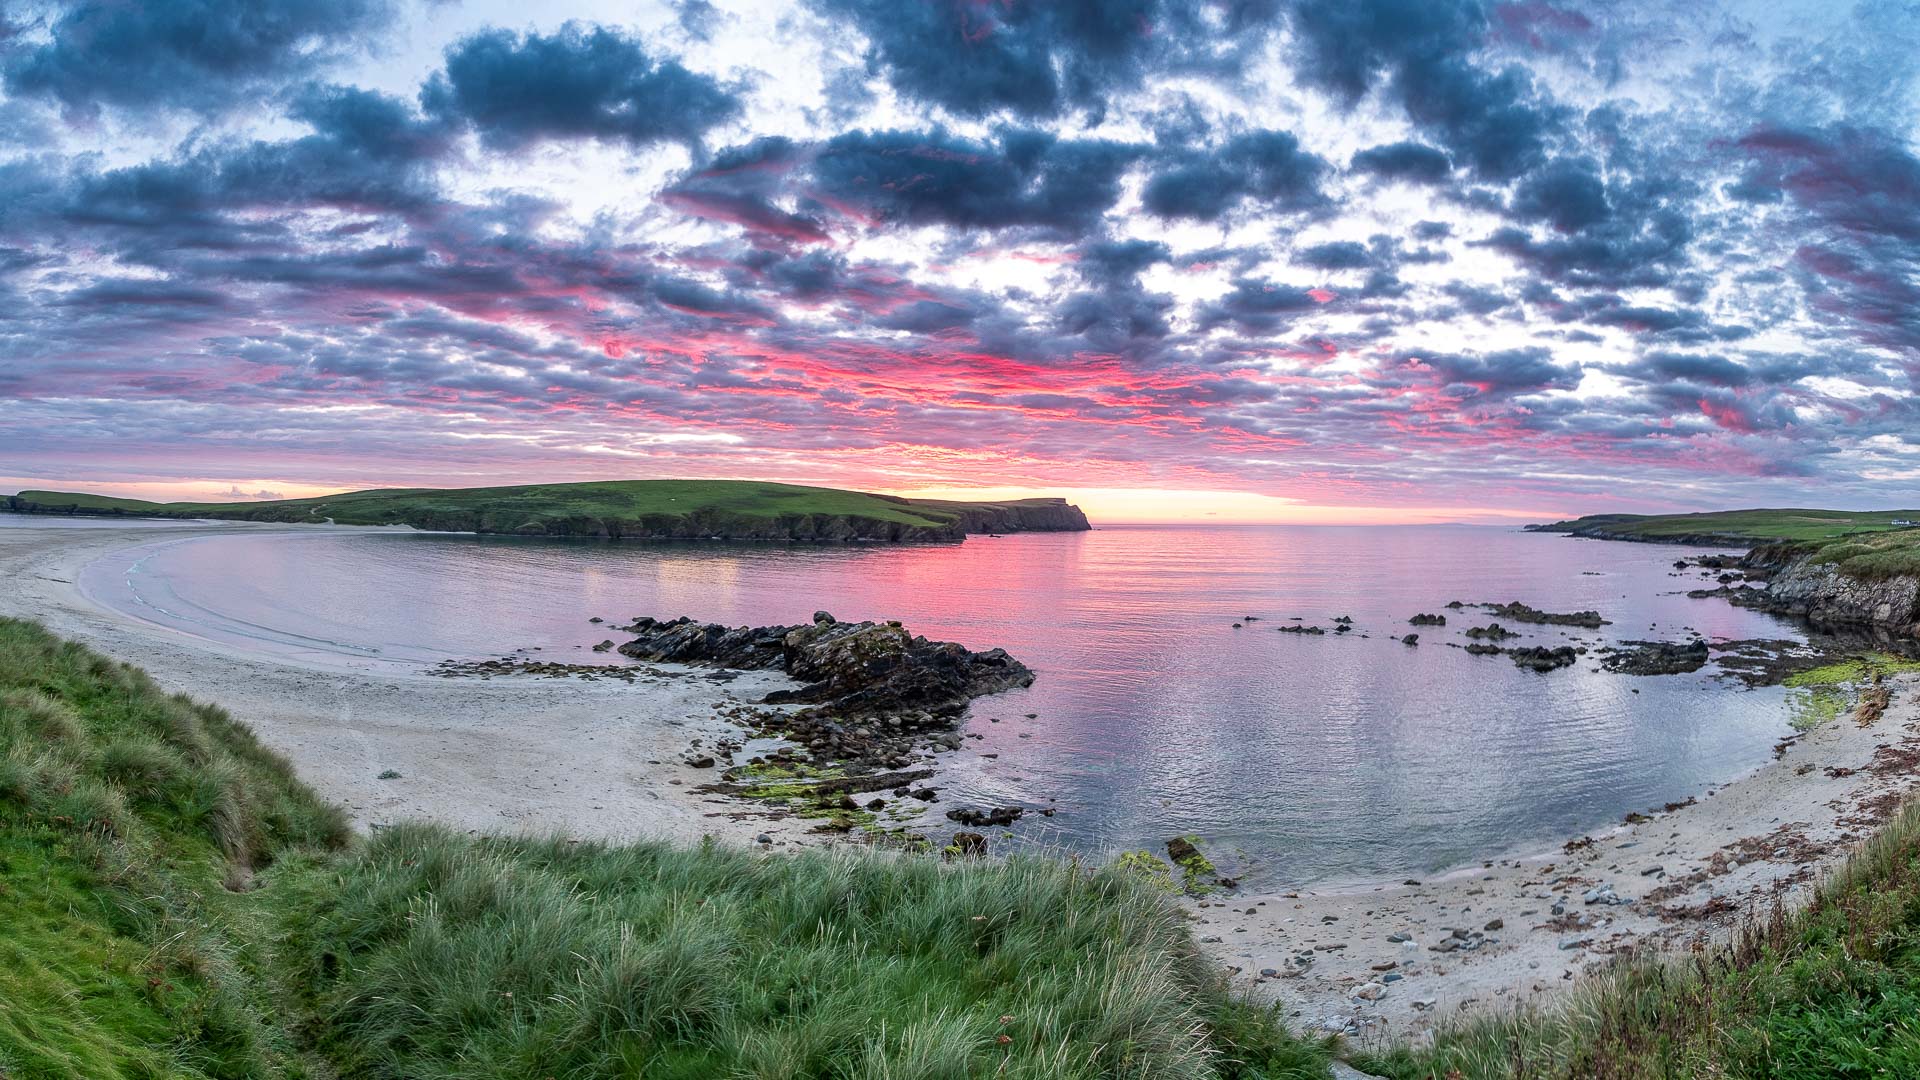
x=1544, y=659
x=1656, y=657
x=1520, y=612
x=999, y=815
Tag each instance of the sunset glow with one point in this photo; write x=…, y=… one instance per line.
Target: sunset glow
x=1306, y=262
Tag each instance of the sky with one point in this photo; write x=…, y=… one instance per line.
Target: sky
x=1234, y=260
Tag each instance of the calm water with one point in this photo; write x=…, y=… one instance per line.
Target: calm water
x=1316, y=758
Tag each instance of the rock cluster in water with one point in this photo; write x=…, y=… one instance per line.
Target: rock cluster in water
x=1655, y=657
x=873, y=689
x=1522, y=613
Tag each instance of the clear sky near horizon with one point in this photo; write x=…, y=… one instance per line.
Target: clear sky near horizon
x=1280, y=260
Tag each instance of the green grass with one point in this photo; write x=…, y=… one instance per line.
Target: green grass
x=122, y=811
x=434, y=956
x=691, y=508
x=1743, y=526
x=173, y=903
x=1873, y=558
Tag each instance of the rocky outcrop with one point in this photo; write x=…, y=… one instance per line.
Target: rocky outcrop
x=1520, y=612
x=850, y=669
x=1655, y=657
x=1025, y=515
x=1540, y=658
x=1797, y=585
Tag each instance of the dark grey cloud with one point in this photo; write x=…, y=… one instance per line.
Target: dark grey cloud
x=1422, y=55
x=203, y=55
x=1410, y=162
x=1023, y=178
x=1267, y=167
x=1030, y=60
x=516, y=89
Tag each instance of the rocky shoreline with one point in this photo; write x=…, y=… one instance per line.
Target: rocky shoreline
x=1785, y=578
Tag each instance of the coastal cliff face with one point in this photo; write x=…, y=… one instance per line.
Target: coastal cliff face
x=1797, y=585
x=1031, y=515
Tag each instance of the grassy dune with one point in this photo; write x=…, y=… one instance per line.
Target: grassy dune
x=129, y=823
x=173, y=903
x=621, y=507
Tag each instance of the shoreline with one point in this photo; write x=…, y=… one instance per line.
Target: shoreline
x=1682, y=876
x=603, y=762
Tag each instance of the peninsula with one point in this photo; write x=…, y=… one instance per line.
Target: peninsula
x=1831, y=566
x=617, y=509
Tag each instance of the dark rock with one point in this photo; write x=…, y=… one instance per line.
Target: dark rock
x=1424, y=619
x=1543, y=659
x=1410, y=639
x=1492, y=632
x=1520, y=612
x=999, y=815
x=604, y=646
x=876, y=691
x=1299, y=630
x=969, y=843
x=1180, y=849
x=1656, y=657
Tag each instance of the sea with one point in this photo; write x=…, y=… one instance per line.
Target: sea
x=1167, y=701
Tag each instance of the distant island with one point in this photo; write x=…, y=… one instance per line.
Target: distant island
x=617, y=509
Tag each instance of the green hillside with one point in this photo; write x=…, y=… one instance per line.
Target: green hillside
x=1734, y=526
x=651, y=509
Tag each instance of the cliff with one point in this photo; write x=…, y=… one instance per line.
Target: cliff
x=1801, y=582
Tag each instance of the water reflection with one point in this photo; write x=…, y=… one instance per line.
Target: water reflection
x=1337, y=756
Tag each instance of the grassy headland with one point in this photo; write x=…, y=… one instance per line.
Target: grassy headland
x=1864, y=545
x=655, y=509
x=173, y=903
x=1734, y=526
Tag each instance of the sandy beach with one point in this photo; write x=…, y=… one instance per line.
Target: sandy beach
x=509, y=754
x=1526, y=926
x=601, y=759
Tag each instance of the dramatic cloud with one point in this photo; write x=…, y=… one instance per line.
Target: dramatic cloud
x=1340, y=251
x=209, y=55
x=600, y=84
